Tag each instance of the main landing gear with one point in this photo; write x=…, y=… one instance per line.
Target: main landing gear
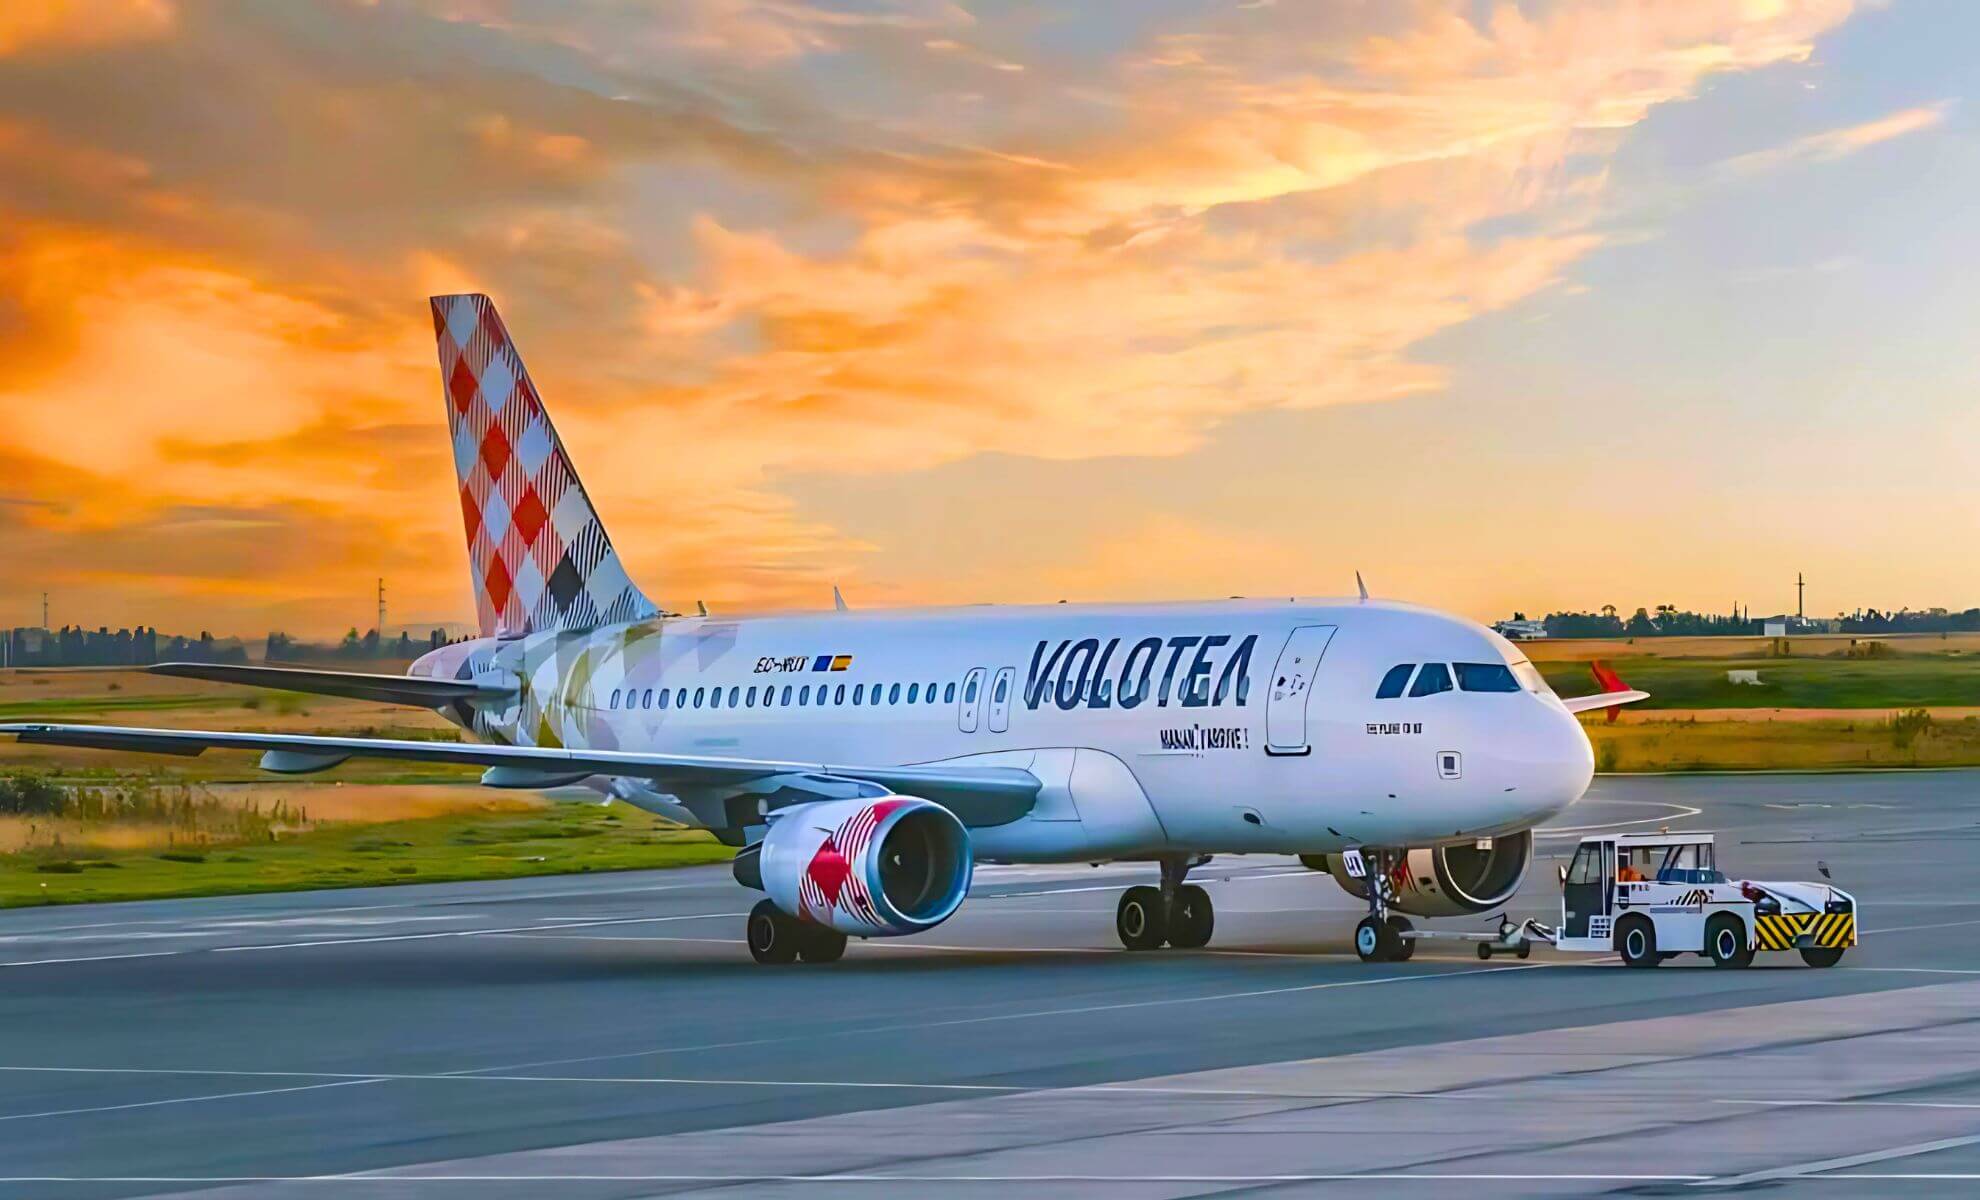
x=776, y=936
x=1176, y=913
x=1379, y=936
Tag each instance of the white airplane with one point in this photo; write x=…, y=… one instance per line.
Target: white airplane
x=863, y=761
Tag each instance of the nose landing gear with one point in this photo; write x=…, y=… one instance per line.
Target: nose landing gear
x=1177, y=913
x=1379, y=936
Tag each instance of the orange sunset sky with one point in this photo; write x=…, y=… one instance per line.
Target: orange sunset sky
x=1506, y=305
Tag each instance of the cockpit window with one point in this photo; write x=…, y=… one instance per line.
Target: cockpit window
x=1395, y=681
x=1530, y=678
x=1433, y=678
x=1485, y=677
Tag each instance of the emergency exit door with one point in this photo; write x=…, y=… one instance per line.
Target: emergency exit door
x=1292, y=687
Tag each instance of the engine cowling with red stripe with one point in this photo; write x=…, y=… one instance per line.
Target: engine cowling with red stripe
x=869, y=867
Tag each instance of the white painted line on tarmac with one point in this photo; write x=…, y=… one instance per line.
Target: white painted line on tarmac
x=71, y=1112
x=1682, y=810
x=1912, y=928
x=873, y=1178
x=49, y=962
x=1849, y=1103
x=460, y=933
x=1818, y=1166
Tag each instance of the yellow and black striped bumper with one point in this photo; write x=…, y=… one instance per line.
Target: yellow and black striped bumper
x=1788, y=931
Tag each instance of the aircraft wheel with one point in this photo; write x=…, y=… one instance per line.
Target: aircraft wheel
x=1138, y=920
x=773, y=933
x=1636, y=941
x=1375, y=941
x=821, y=945
x=1193, y=918
x=1821, y=956
x=1404, y=947
x=1725, y=942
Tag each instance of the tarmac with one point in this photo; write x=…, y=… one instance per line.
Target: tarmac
x=606, y=1036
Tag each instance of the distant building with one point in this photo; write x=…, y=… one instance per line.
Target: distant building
x=1520, y=629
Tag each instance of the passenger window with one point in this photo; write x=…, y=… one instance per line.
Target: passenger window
x=749, y=699
x=663, y=699
x=697, y=696
x=1433, y=678
x=949, y=693
x=615, y=697
x=894, y=694
x=734, y=692
x=1486, y=677
x=786, y=699
x=714, y=697
x=839, y=694
x=1395, y=681
x=913, y=690
x=804, y=694
x=859, y=691
x=930, y=693
x=680, y=698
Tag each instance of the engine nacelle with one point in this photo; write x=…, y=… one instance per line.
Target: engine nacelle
x=1450, y=881
x=868, y=867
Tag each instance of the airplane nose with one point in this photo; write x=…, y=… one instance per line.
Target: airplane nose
x=1565, y=764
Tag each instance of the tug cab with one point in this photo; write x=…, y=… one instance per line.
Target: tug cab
x=1653, y=896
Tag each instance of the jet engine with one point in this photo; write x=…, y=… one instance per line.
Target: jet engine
x=1449, y=881
x=870, y=867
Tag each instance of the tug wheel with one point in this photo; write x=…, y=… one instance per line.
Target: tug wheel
x=1725, y=942
x=1636, y=941
x=1821, y=956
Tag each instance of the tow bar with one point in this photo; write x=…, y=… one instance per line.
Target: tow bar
x=1513, y=937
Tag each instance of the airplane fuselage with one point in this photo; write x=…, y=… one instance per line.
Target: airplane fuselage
x=1235, y=726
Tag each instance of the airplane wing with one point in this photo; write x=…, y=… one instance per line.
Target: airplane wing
x=977, y=795
x=1582, y=704
x=413, y=690
x=1614, y=694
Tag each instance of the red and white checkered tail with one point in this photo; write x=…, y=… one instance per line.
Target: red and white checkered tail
x=539, y=555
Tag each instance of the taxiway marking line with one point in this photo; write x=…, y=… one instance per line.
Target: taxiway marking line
x=104, y=1108
x=1815, y=1168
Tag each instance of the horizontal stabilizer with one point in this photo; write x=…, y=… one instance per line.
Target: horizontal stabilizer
x=414, y=690
x=977, y=795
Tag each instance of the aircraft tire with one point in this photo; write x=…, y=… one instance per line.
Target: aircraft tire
x=821, y=945
x=1191, y=923
x=1138, y=919
x=1402, y=948
x=773, y=934
x=1375, y=941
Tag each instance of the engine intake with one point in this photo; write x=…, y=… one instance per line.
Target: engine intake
x=869, y=868
x=1451, y=881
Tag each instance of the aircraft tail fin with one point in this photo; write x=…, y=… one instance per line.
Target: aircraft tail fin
x=539, y=556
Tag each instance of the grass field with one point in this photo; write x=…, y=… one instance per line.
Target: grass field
x=1807, y=745
x=1903, y=681
x=540, y=840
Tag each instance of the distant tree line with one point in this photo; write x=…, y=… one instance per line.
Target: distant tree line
x=355, y=647
x=74, y=646
x=1669, y=621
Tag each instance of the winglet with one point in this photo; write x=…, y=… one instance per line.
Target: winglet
x=1614, y=694
x=1360, y=586
x=838, y=601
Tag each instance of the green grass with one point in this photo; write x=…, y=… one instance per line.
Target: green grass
x=1921, y=681
x=1821, y=745
x=69, y=706
x=562, y=840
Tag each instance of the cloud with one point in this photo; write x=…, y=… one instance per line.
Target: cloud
x=740, y=240
x=1833, y=144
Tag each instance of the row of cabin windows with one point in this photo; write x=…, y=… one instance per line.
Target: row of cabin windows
x=1437, y=677
x=801, y=696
